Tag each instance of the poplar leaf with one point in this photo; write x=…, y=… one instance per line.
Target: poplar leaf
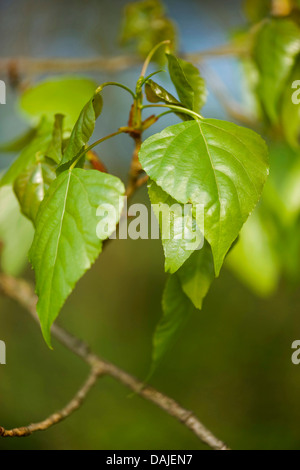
x=176, y=310
x=188, y=82
x=82, y=130
x=66, y=243
x=180, y=236
x=214, y=164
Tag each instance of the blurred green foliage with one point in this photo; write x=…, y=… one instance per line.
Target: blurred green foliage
x=145, y=25
x=232, y=363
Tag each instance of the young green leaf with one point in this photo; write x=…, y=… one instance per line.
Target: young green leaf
x=31, y=186
x=176, y=310
x=188, y=82
x=54, y=150
x=276, y=48
x=179, y=229
x=39, y=144
x=156, y=93
x=197, y=275
x=63, y=95
x=83, y=130
x=214, y=164
x=16, y=234
x=66, y=241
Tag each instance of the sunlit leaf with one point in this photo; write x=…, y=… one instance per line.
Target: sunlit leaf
x=66, y=243
x=213, y=164
x=60, y=95
x=156, y=93
x=179, y=230
x=197, y=275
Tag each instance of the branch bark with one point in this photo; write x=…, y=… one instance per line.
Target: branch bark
x=23, y=293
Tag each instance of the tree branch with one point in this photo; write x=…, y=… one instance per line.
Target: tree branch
x=23, y=293
x=56, y=418
x=39, y=66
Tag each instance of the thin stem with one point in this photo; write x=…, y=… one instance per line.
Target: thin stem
x=120, y=85
x=86, y=150
x=176, y=108
x=150, y=55
x=143, y=81
x=39, y=66
x=164, y=114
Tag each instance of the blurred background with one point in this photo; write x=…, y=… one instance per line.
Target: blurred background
x=232, y=364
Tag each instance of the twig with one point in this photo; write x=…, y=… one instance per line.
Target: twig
x=56, y=418
x=23, y=293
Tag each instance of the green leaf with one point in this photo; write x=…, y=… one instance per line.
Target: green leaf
x=213, y=164
x=156, y=93
x=66, y=243
x=290, y=111
x=179, y=232
x=31, y=186
x=63, y=95
x=176, y=310
x=16, y=234
x=39, y=144
x=54, y=150
x=254, y=260
x=276, y=48
x=188, y=82
x=145, y=25
x=20, y=142
x=197, y=275
x=83, y=130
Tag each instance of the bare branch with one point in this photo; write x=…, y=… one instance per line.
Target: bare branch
x=23, y=293
x=56, y=418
